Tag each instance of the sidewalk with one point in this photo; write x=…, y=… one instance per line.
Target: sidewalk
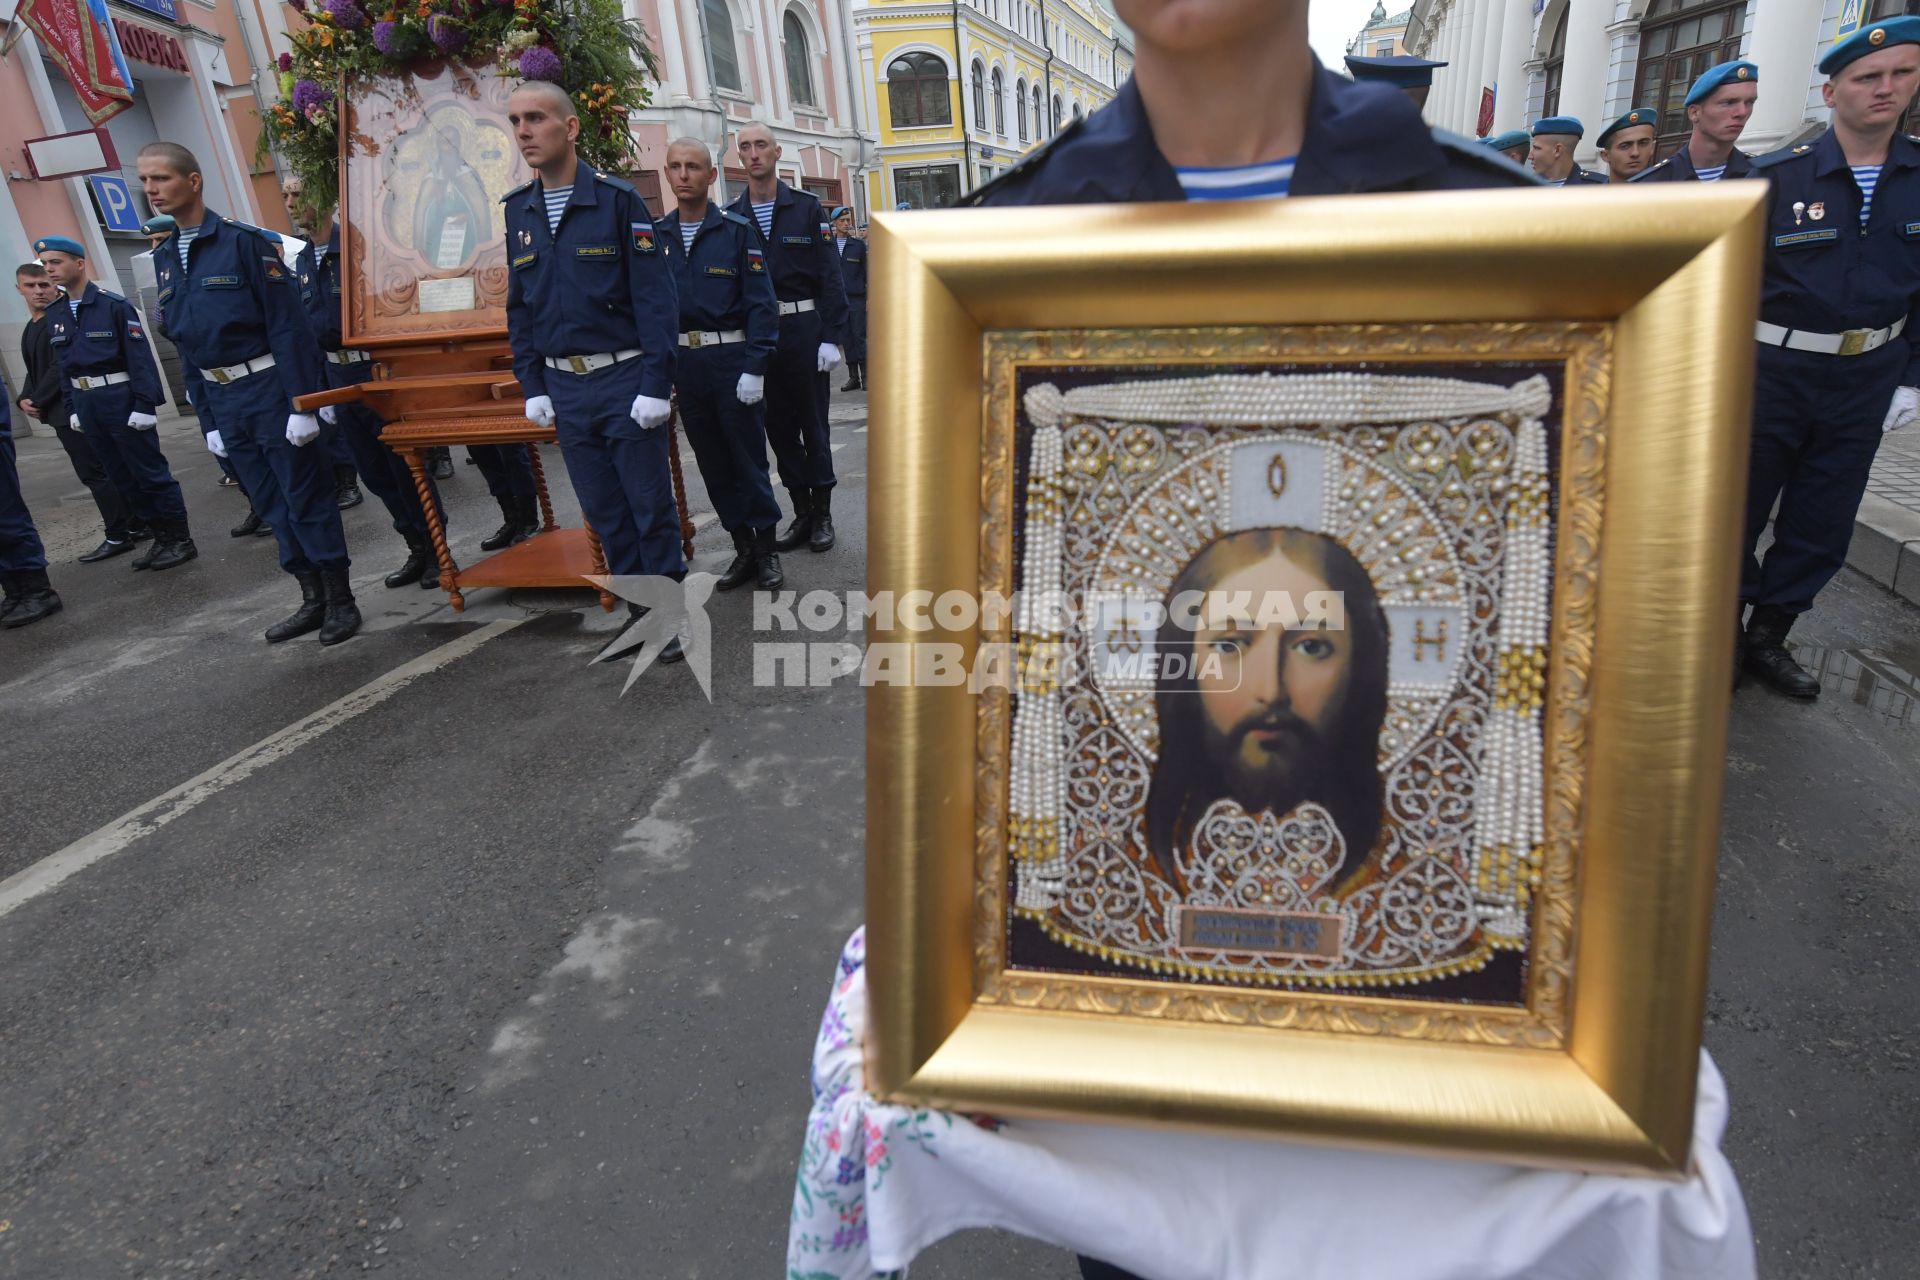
x=1886, y=532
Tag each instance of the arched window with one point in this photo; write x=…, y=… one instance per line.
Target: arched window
x=1076, y=111
x=1556, y=64
x=799, y=61
x=723, y=55
x=999, y=103
x=1679, y=39
x=1039, y=128
x=979, y=78
x=1020, y=106
x=1056, y=113
x=917, y=89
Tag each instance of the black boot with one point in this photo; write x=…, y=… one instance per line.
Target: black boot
x=624, y=640
x=529, y=514
x=511, y=526
x=740, y=568
x=821, y=539
x=853, y=376
x=146, y=558
x=308, y=617
x=430, y=576
x=1767, y=657
x=419, y=555
x=796, y=534
x=342, y=617
x=346, y=487
x=767, y=561
x=248, y=527
x=36, y=599
x=9, y=594
x=440, y=461
x=178, y=546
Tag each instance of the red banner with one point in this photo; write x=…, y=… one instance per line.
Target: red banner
x=81, y=40
x=1484, y=125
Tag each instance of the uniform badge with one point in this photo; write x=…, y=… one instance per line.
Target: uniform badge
x=134, y=330
x=1799, y=207
x=826, y=231
x=276, y=270
x=756, y=261
x=526, y=238
x=1817, y=210
x=642, y=237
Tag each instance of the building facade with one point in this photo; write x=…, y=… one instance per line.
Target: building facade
x=958, y=91
x=1598, y=59
x=1384, y=36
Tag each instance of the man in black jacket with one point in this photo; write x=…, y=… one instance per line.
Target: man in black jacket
x=43, y=401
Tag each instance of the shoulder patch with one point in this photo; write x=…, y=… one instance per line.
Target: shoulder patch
x=110, y=294
x=1773, y=158
x=731, y=216
x=1652, y=168
x=1025, y=165
x=617, y=183
x=525, y=186
x=1480, y=156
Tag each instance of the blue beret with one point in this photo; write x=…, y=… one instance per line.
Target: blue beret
x=838, y=210
x=1871, y=39
x=1568, y=125
x=59, y=244
x=1509, y=140
x=1726, y=73
x=1402, y=71
x=1638, y=116
x=160, y=224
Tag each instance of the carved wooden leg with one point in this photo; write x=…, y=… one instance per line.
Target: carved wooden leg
x=436, y=532
x=679, y=480
x=547, y=524
x=597, y=560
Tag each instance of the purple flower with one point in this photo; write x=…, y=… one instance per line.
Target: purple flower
x=346, y=14
x=540, y=63
x=447, y=35
x=307, y=95
x=390, y=40
x=286, y=62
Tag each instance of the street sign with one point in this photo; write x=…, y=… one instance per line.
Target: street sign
x=165, y=8
x=68, y=155
x=1849, y=20
x=117, y=209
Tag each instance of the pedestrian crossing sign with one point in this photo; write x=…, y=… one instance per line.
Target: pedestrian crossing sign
x=1849, y=20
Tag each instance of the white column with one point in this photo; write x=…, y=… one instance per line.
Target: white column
x=1782, y=45
x=1516, y=47
x=1446, y=115
x=1583, y=78
x=1485, y=55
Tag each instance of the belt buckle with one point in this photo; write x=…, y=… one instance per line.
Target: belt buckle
x=1854, y=341
x=220, y=376
x=695, y=337
x=578, y=364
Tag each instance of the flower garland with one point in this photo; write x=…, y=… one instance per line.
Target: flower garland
x=588, y=47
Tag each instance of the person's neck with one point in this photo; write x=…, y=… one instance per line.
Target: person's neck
x=1861, y=146
x=1708, y=153
x=761, y=190
x=1563, y=171
x=190, y=219
x=1198, y=105
x=76, y=290
x=37, y=310
x=559, y=175
x=692, y=212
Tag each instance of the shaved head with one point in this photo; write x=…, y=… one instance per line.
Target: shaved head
x=754, y=130
x=552, y=96
x=693, y=145
x=173, y=155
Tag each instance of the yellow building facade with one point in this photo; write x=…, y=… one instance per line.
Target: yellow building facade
x=959, y=91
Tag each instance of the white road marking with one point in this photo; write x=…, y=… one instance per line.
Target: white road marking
x=44, y=875
x=705, y=518
x=838, y=447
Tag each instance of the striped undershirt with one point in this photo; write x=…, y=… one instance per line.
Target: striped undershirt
x=556, y=202
x=763, y=214
x=688, y=230
x=1237, y=182
x=73, y=305
x=186, y=238
x=1866, y=177
x=1711, y=174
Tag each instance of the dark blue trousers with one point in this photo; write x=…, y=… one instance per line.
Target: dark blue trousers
x=20, y=547
x=291, y=489
x=729, y=439
x=1816, y=428
x=132, y=458
x=506, y=468
x=381, y=470
x=856, y=348
x=797, y=406
x=620, y=473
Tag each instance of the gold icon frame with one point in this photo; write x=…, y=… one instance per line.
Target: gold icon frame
x=1650, y=296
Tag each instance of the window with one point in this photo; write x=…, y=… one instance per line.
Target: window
x=799, y=63
x=1556, y=63
x=917, y=89
x=979, y=78
x=930, y=187
x=999, y=103
x=1076, y=111
x=1679, y=39
x=723, y=55
x=1056, y=113
x=1384, y=49
x=1039, y=131
x=1020, y=107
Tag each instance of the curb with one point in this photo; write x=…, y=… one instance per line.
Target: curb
x=1886, y=546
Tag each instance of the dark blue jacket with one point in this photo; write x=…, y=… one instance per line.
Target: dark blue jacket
x=853, y=266
x=600, y=284
x=1678, y=167
x=236, y=301
x=723, y=281
x=1584, y=178
x=320, y=289
x=1360, y=136
x=1824, y=272
x=104, y=337
x=804, y=262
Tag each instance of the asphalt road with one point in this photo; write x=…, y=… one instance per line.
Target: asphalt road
x=490, y=971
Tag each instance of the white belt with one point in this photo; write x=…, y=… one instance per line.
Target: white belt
x=235, y=372
x=1854, y=342
x=99, y=380
x=710, y=338
x=349, y=356
x=593, y=363
x=795, y=308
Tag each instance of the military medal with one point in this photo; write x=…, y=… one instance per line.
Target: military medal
x=526, y=237
x=1799, y=207
x=1817, y=210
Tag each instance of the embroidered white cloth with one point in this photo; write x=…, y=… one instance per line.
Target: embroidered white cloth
x=878, y=1184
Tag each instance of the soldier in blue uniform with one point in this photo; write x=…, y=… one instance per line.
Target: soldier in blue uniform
x=594, y=322
x=233, y=309
x=1514, y=144
x=1410, y=75
x=853, y=274
x=1626, y=145
x=729, y=327
x=1718, y=107
x=813, y=319
x=1554, y=139
x=26, y=596
x=112, y=389
x=1837, y=361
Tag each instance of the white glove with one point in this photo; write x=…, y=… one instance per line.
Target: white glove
x=539, y=410
x=751, y=389
x=1905, y=409
x=650, y=413
x=215, y=445
x=142, y=421
x=302, y=428
x=73, y=421
x=829, y=357
x=329, y=414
